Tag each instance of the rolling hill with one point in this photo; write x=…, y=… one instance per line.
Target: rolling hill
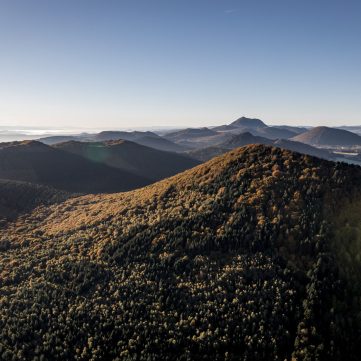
x=246, y=138
x=243, y=123
x=206, y=153
x=148, y=139
x=190, y=133
x=293, y=129
x=303, y=148
x=254, y=255
x=192, y=138
x=325, y=136
x=273, y=133
x=239, y=140
x=258, y=128
x=55, y=139
x=131, y=157
x=34, y=162
x=21, y=197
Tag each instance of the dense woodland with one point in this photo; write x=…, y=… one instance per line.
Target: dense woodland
x=21, y=197
x=255, y=255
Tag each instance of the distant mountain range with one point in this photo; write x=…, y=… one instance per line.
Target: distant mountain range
x=242, y=139
x=196, y=137
x=258, y=128
x=148, y=139
x=113, y=161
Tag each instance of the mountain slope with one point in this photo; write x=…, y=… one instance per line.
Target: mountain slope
x=117, y=135
x=148, y=139
x=241, y=123
x=21, y=197
x=258, y=128
x=234, y=259
x=274, y=132
x=55, y=139
x=192, y=138
x=248, y=123
x=234, y=141
x=206, y=153
x=324, y=136
x=294, y=129
x=190, y=133
x=132, y=157
x=246, y=138
x=160, y=144
x=242, y=139
x=35, y=162
x=303, y=148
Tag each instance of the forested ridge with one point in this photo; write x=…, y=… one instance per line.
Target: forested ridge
x=21, y=197
x=254, y=255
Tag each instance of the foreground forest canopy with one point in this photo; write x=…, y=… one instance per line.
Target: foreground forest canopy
x=254, y=255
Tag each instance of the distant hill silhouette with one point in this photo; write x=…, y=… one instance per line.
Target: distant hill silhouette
x=303, y=148
x=247, y=138
x=197, y=137
x=55, y=139
x=190, y=133
x=242, y=139
x=148, y=139
x=293, y=129
x=207, y=153
x=117, y=135
x=258, y=128
x=34, y=162
x=245, y=122
x=132, y=157
x=323, y=136
x=273, y=133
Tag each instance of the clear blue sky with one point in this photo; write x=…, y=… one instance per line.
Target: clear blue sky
x=131, y=63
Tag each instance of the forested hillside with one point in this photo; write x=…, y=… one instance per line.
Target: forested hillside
x=21, y=197
x=131, y=157
x=34, y=162
x=254, y=255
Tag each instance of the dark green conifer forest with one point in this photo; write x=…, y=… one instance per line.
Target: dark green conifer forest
x=254, y=255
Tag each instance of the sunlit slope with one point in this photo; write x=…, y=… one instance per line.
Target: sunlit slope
x=234, y=259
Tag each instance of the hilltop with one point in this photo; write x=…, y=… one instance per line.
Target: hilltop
x=191, y=138
x=131, y=157
x=246, y=138
x=258, y=128
x=35, y=162
x=239, y=257
x=324, y=136
x=148, y=139
x=248, y=123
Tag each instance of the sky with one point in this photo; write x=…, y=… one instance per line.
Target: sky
x=140, y=63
